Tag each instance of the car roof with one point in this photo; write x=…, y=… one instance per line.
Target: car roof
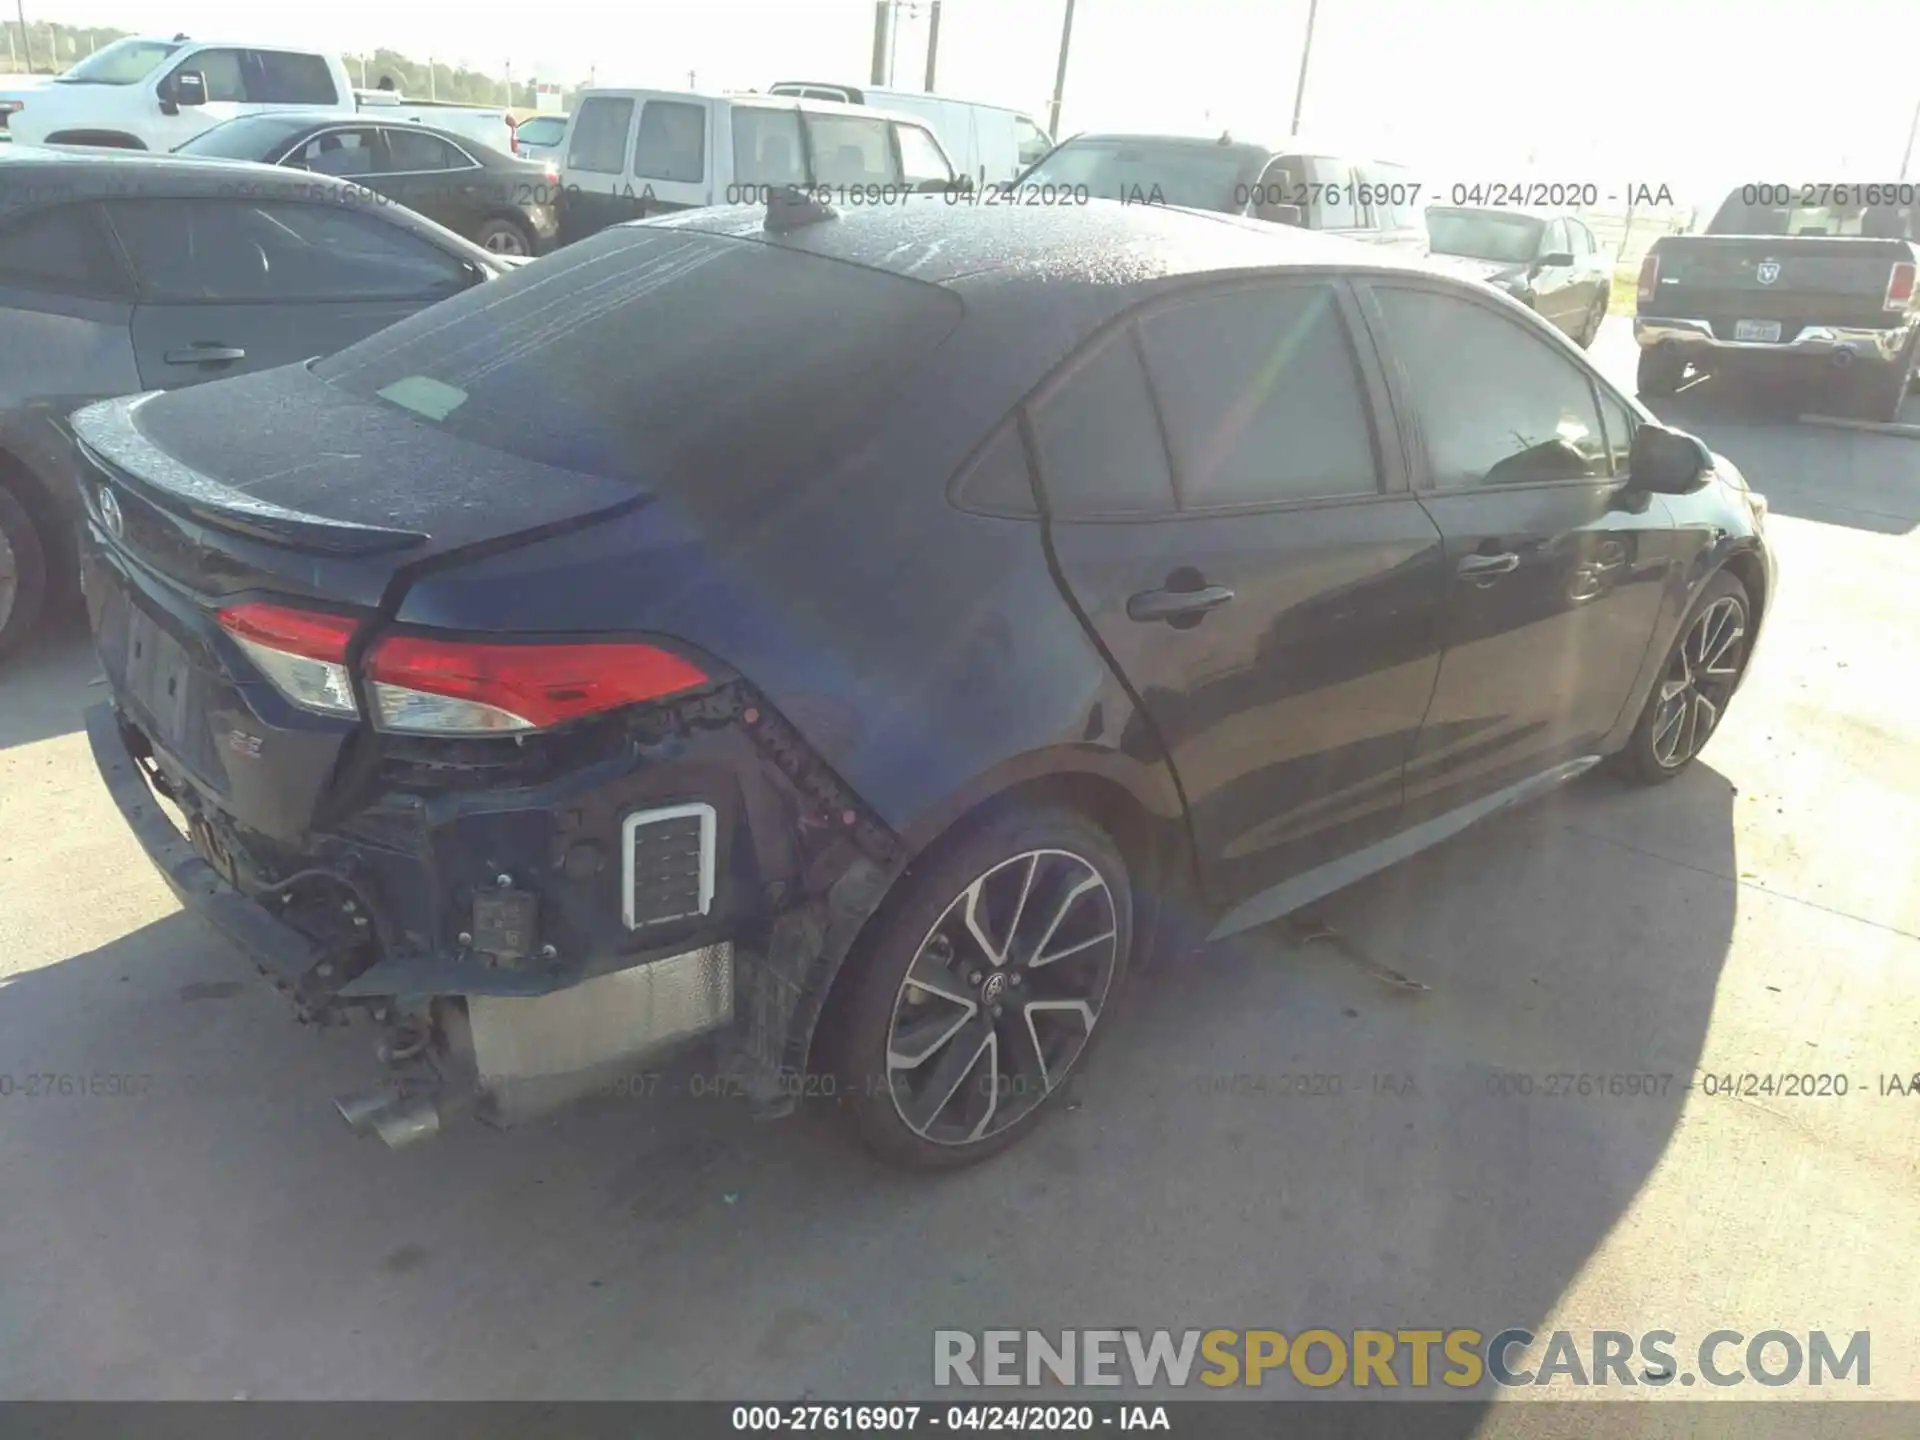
x=1532, y=212
x=37, y=174
x=1308, y=146
x=1101, y=243
x=329, y=119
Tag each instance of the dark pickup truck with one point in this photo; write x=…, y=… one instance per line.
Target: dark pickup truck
x=1816, y=281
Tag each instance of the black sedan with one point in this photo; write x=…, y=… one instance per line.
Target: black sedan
x=499, y=201
x=869, y=636
x=1547, y=260
x=122, y=271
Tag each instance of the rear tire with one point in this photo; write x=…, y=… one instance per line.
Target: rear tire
x=946, y=1054
x=23, y=573
x=1690, y=697
x=1660, y=372
x=504, y=237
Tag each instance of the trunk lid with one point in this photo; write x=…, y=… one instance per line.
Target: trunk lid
x=1799, y=279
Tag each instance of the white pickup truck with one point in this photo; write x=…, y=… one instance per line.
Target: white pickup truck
x=148, y=93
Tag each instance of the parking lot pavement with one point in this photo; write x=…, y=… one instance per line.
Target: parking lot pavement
x=224, y=1233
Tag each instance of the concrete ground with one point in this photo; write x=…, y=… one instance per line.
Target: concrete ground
x=225, y=1234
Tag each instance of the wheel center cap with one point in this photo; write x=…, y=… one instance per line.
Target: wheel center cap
x=995, y=986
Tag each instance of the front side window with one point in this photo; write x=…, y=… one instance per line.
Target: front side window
x=285, y=77
x=221, y=69
x=1262, y=397
x=234, y=251
x=766, y=147
x=850, y=150
x=340, y=152
x=1101, y=456
x=1030, y=141
x=1495, y=404
x=600, y=132
x=1334, y=205
x=1621, y=422
x=1557, y=241
x=672, y=143
x=541, y=130
x=921, y=159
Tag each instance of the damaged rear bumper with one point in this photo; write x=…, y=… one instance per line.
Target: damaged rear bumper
x=518, y=1031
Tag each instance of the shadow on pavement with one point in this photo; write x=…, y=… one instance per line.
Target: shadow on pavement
x=1270, y=1139
x=1812, y=472
x=44, y=689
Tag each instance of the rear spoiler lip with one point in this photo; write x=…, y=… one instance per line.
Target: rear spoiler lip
x=109, y=439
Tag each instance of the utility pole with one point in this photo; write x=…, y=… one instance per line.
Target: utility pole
x=26, y=45
x=1060, y=75
x=882, y=26
x=1306, y=51
x=433, y=79
x=510, y=84
x=690, y=81
x=933, y=42
x=1907, y=158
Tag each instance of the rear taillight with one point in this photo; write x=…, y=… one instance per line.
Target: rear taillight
x=1649, y=277
x=1900, y=287
x=302, y=652
x=425, y=686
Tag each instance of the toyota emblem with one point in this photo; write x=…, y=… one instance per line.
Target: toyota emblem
x=1767, y=271
x=110, y=515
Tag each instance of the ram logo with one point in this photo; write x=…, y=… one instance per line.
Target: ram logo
x=1767, y=271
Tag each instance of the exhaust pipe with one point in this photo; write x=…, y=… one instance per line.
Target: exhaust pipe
x=398, y=1119
x=1842, y=359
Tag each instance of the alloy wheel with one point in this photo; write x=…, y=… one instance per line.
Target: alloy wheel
x=1002, y=996
x=506, y=241
x=1699, y=680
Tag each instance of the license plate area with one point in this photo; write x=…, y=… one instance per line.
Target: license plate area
x=1761, y=331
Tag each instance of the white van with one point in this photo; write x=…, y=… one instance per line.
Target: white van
x=631, y=153
x=990, y=143
x=147, y=93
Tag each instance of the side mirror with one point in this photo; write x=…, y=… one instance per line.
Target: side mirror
x=189, y=88
x=1667, y=462
x=1280, y=214
x=1557, y=260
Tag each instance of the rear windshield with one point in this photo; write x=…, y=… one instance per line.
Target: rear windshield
x=542, y=129
x=1483, y=234
x=656, y=355
x=1883, y=212
x=251, y=137
x=1203, y=177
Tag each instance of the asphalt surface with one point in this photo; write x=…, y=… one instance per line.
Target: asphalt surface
x=223, y=1233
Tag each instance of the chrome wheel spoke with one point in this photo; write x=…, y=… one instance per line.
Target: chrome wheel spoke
x=929, y=977
x=946, y=1079
x=1087, y=886
x=917, y=1039
x=1705, y=716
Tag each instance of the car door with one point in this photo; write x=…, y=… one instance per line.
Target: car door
x=224, y=71
x=1591, y=278
x=669, y=170
x=228, y=286
x=1557, y=294
x=1557, y=565
x=435, y=178
x=599, y=140
x=1257, y=569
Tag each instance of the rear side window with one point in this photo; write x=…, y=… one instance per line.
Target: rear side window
x=281, y=77
x=766, y=147
x=851, y=150
x=1101, y=455
x=244, y=250
x=690, y=363
x=1261, y=396
x=672, y=143
x=411, y=152
x=600, y=133
x=61, y=250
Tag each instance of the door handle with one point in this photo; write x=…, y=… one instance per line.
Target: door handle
x=1480, y=567
x=1151, y=605
x=206, y=354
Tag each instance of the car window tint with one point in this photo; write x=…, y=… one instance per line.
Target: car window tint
x=242, y=250
x=1100, y=449
x=282, y=77
x=1333, y=205
x=702, y=367
x=59, y=249
x=1261, y=396
x=672, y=143
x=599, y=132
x=1582, y=241
x=1396, y=196
x=999, y=481
x=412, y=152
x=1621, y=422
x=226, y=80
x=1556, y=241
x=1031, y=140
x=1496, y=404
x=921, y=159
x=766, y=147
x=850, y=150
x=341, y=152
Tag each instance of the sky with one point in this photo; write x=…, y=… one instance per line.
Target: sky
x=1689, y=94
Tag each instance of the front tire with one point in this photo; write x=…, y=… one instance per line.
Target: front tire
x=1660, y=372
x=1694, y=687
x=23, y=573
x=505, y=237
x=981, y=985
x=1590, y=328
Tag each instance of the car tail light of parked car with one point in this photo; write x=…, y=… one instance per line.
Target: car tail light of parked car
x=422, y=685
x=1900, y=287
